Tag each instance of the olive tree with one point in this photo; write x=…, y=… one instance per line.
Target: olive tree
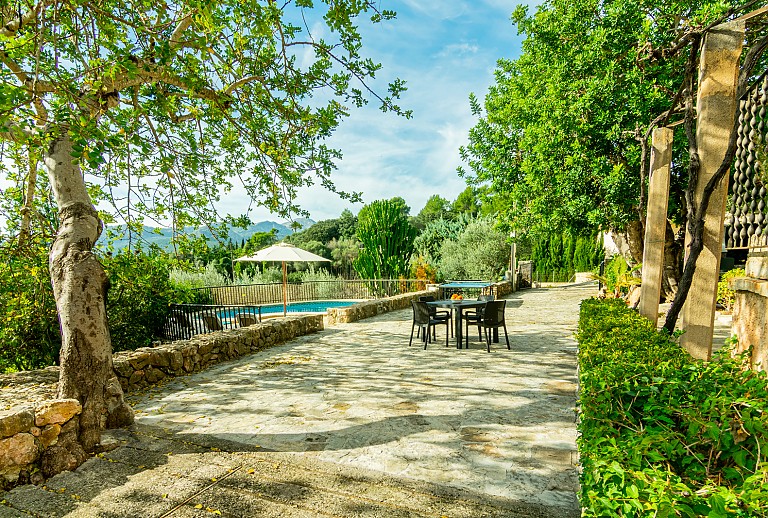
x=480, y=251
x=160, y=106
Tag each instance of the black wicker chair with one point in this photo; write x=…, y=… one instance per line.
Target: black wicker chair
x=437, y=314
x=425, y=323
x=472, y=317
x=493, y=318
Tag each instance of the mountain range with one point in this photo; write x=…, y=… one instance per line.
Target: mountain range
x=162, y=236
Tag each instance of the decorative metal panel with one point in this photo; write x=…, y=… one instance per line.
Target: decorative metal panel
x=746, y=216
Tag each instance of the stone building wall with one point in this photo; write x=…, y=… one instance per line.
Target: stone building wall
x=750, y=310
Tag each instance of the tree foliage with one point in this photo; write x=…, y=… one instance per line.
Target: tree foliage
x=479, y=252
x=428, y=244
x=557, y=132
x=466, y=202
x=176, y=103
x=564, y=133
x=436, y=208
x=159, y=108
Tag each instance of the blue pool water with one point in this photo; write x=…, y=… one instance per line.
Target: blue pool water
x=315, y=306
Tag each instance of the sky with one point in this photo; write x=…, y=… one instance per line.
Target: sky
x=444, y=50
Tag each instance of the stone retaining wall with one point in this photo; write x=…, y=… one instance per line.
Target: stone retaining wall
x=31, y=429
x=502, y=289
x=146, y=366
x=371, y=308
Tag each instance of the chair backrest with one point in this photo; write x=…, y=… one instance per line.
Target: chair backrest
x=486, y=297
x=247, y=320
x=181, y=319
x=494, y=312
x=212, y=322
x=420, y=312
x=427, y=298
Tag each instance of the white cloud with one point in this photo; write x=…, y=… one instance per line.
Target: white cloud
x=459, y=50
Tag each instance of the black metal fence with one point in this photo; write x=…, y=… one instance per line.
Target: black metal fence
x=229, y=307
x=553, y=276
x=308, y=291
x=188, y=320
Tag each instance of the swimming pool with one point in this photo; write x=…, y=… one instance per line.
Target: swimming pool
x=313, y=306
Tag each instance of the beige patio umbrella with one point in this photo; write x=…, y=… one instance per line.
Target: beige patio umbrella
x=283, y=252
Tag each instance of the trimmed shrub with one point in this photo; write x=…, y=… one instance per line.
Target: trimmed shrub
x=662, y=434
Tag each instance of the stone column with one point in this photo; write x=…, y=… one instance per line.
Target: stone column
x=750, y=310
x=716, y=107
x=656, y=223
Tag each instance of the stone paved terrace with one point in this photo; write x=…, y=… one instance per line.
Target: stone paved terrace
x=351, y=422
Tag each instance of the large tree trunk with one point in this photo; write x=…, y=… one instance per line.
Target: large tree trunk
x=79, y=286
x=635, y=235
x=630, y=242
x=673, y=263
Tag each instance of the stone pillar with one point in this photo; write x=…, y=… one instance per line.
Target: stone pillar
x=526, y=274
x=513, y=265
x=716, y=107
x=750, y=310
x=656, y=223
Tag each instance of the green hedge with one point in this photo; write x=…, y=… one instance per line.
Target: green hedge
x=662, y=434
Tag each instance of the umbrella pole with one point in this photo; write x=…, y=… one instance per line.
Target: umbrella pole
x=285, y=289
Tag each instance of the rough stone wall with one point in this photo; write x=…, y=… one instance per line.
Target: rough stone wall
x=148, y=365
x=33, y=425
x=27, y=432
x=371, y=308
x=750, y=310
x=502, y=289
x=526, y=273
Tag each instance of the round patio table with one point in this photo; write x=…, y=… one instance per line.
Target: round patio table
x=459, y=306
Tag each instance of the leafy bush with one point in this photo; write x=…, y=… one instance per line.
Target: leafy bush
x=29, y=324
x=139, y=297
x=479, y=252
x=138, y=300
x=422, y=270
x=725, y=295
x=187, y=277
x=662, y=434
